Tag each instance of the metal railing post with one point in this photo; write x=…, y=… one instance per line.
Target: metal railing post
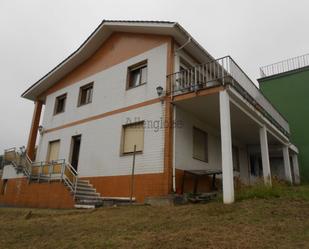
x=75, y=186
x=30, y=173
x=132, y=176
x=62, y=172
x=50, y=171
x=40, y=171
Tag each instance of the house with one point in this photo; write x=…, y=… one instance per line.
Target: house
x=289, y=79
x=145, y=90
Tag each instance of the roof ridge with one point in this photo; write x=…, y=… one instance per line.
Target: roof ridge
x=138, y=21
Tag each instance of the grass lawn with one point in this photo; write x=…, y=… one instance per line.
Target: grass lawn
x=261, y=218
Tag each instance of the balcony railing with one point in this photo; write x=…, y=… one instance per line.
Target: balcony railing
x=225, y=71
x=285, y=66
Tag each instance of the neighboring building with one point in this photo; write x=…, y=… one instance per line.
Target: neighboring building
x=148, y=84
x=286, y=85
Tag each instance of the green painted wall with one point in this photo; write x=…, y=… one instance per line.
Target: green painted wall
x=289, y=92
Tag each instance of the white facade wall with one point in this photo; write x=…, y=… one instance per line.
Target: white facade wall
x=109, y=89
x=101, y=144
x=184, y=146
x=101, y=138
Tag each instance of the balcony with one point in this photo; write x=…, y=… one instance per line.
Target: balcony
x=225, y=71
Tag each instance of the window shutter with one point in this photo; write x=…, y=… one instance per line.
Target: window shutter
x=144, y=75
x=133, y=135
x=53, y=150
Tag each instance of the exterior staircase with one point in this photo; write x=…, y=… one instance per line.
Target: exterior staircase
x=84, y=194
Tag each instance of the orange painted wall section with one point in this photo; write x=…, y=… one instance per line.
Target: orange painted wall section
x=36, y=195
x=119, y=186
x=116, y=49
x=204, y=183
x=56, y=195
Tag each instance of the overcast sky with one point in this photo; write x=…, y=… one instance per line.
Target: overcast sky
x=36, y=35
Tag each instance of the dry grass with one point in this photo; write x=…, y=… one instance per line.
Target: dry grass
x=275, y=222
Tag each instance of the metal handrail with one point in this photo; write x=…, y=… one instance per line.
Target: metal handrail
x=22, y=159
x=71, y=183
x=221, y=72
x=200, y=76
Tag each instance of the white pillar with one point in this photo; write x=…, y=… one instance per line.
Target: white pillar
x=287, y=164
x=226, y=148
x=296, y=168
x=265, y=156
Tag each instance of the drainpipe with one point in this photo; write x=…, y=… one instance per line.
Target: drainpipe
x=174, y=144
x=174, y=120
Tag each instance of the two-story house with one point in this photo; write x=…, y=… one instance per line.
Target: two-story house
x=148, y=89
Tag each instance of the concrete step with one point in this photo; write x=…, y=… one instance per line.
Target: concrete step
x=83, y=181
x=86, y=193
x=84, y=185
x=119, y=199
x=84, y=206
x=88, y=197
x=88, y=188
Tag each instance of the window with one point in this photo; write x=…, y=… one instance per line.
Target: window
x=85, y=94
x=133, y=134
x=184, y=65
x=200, y=145
x=53, y=151
x=137, y=75
x=235, y=155
x=60, y=104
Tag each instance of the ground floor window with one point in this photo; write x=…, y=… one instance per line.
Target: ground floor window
x=133, y=134
x=200, y=144
x=53, y=150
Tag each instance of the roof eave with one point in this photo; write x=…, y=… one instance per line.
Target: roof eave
x=96, y=38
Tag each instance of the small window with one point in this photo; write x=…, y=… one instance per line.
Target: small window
x=137, y=75
x=133, y=134
x=60, y=104
x=235, y=155
x=200, y=145
x=85, y=94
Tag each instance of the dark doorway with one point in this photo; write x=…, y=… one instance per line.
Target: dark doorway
x=76, y=140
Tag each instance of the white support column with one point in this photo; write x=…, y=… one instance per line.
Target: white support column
x=296, y=168
x=287, y=164
x=265, y=155
x=226, y=148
